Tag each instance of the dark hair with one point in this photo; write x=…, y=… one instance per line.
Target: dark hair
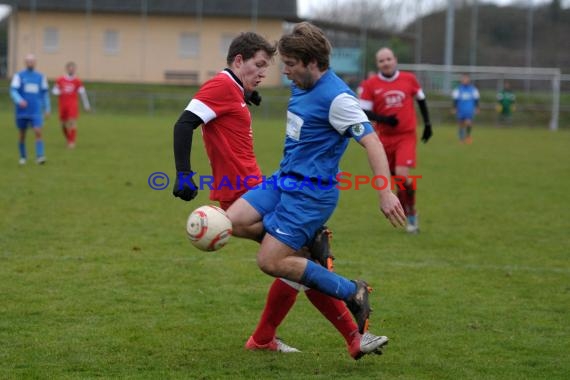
x=306, y=43
x=247, y=44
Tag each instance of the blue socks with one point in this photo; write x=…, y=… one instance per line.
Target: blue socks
x=39, y=148
x=462, y=134
x=22, y=148
x=319, y=278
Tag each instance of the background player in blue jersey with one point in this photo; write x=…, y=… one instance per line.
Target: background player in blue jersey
x=29, y=91
x=322, y=115
x=465, y=106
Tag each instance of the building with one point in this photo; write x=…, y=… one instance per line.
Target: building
x=144, y=41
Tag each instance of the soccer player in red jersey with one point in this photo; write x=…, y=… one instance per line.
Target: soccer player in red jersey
x=392, y=92
x=66, y=88
x=220, y=106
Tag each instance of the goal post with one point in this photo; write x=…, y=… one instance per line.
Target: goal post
x=539, y=83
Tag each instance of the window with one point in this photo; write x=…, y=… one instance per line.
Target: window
x=189, y=45
x=51, y=39
x=111, y=42
x=225, y=43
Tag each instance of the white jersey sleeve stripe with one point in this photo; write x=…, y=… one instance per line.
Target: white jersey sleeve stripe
x=420, y=95
x=16, y=81
x=201, y=110
x=366, y=105
x=345, y=111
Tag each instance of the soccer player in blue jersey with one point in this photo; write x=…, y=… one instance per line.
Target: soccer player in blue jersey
x=29, y=91
x=322, y=116
x=465, y=106
x=219, y=106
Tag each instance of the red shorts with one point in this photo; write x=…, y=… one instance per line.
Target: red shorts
x=400, y=149
x=225, y=205
x=68, y=113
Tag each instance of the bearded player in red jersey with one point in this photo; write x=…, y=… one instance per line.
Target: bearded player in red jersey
x=66, y=88
x=220, y=107
x=392, y=92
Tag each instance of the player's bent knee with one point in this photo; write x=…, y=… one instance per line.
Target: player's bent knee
x=268, y=264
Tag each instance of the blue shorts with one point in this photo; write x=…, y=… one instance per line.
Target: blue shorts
x=32, y=121
x=293, y=210
x=462, y=116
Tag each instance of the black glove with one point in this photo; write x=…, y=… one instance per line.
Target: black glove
x=253, y=98
x=390, y=120
x=184, y=187
x=427, y=133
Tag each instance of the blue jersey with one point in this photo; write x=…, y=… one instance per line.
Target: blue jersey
x=466, y=100
x=320, y=122
x=32, y=87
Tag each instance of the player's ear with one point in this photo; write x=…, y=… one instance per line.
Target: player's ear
x=238, y=60
x=313, y=64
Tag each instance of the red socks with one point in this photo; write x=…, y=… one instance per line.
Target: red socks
x=280, y=299
x=70, y=134
x=407, y=197
x=335, y=311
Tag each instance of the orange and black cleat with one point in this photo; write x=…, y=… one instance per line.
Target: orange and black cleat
x=359, y=306
x=320, y=248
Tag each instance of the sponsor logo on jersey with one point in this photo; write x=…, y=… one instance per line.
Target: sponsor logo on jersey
x=394, y=98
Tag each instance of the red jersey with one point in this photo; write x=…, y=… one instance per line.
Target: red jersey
x=67, y=88
x=227, y=135
x=392, y=96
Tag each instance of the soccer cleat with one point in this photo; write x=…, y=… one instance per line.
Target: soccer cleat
x=22, y=161
x=413, y=226
x=365, y=344
x=468, y=140
x=276, y=345
x=41, y=160
x=320, y=248
x=359, y=306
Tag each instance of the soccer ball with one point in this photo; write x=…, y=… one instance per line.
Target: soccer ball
x=209, y=228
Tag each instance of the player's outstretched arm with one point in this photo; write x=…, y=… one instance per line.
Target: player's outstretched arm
x=184, y=188
x=390, y=120
x=389, y=203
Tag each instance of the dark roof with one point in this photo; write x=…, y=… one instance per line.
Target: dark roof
x=282, y=9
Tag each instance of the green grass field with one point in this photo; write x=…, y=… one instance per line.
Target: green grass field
x=97, y=278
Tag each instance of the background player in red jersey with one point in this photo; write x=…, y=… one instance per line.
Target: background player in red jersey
x=66, y=88
x=392, y=92
x=220, y=106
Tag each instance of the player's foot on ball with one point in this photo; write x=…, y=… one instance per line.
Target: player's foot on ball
x=367, y=343
x=320, y=248
x=275, y=345
x=359, y=306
